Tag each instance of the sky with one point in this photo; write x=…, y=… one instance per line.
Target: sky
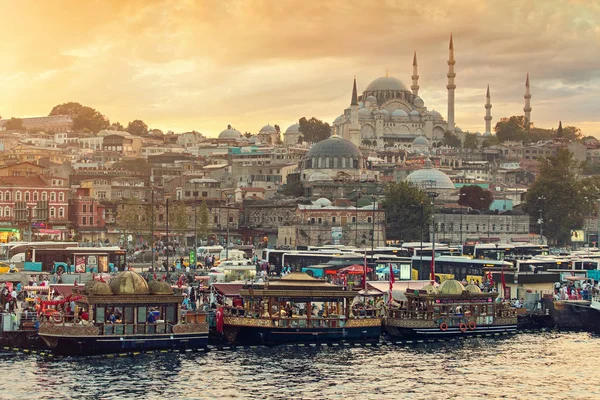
x=201, y=65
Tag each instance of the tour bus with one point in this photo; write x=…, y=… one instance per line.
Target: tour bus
x=454, y=267
x=16, y=251
x=493, y=251
x=531, y=250
x=75, y=259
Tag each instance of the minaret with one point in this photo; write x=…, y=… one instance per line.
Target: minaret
x=527, y=108
x=451, y=86
x=354, y=128
x=488, y=111
x=415, y=77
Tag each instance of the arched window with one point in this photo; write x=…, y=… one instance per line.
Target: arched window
x=52, y=196
x=18, y=195
x=327, y=162
x=343, y=162
x=35, y=196
x=52, y=212
x=61, y=212
x=44, y=196
x=7, y=211
x=1, y=211
x=7, y=196
x=27, y=196
x=335, y=162
x=320, y=165
x=61, y=197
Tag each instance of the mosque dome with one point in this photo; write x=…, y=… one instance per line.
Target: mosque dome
x=451, y=286
x=338, y=119
x=477, y=133
x=385, y=113
x=363, y=202
x=473, y=289
x=364, y=112
x=160, y=287
x=430, y=177
x=435, y=114
x=457, y=130
x=487, y=134
x=371, y=99
x=420, y=141
x=385, y=83
x=295, y=128
x=334, y=146
x=418, y=102
x=267, y=129
x=361, y=104
x=322, y=202
x=399, y=113
x=129, y=282
x=230, y=134
x=414, y=113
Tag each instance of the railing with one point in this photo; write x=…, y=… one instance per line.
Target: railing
x=135, y=329
x=18, y=321
x=411, y=314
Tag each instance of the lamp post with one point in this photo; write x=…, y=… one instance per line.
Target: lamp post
x=460, y=197
x=167, y=232
x=432, y=195
x=195, y=224
x=152, y=246
x=229, y=196
x=540, y=221
x=373, y=231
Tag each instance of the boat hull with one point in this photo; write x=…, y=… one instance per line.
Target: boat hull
x=275, y=336
x=91, y=345
x=402, y=329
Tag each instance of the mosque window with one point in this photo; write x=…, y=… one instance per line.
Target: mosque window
x=327, y=162
x=320, y=163
x=355, y=164
x=335, y=162
x=343, y=162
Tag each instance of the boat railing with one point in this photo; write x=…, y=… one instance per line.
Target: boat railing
x=414, y=314
x=303, y=322
x=155, y=328
x=18, y=321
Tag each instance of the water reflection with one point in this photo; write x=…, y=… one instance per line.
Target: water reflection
x=513, y=367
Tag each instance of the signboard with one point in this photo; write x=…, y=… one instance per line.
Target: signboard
x=103, y=263
x=192, y=263
x=577, y=236
x=336, y=234
x=92, y=260
x=79, y=263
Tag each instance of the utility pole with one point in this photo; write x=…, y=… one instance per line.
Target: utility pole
x=152, y=244
x=195, y=223
x=167, y=240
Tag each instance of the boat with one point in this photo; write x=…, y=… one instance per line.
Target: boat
x=123, y=316
x=297, y=309
x=449, y=310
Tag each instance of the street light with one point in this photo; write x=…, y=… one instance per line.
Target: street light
x=229, y=196
x=540, y=221
x=461, y=195
x=432, y=195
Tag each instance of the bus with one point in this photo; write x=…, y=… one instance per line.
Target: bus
x=299, y=260
x=16, y=251
x=531, y=250
x=75, y=259
x=401, y=266
x=488, y=251
x=461, y=268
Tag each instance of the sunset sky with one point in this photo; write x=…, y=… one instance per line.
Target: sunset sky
x=200, y=65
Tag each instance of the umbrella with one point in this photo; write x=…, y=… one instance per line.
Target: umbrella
x=355, y=269
x=370, y=293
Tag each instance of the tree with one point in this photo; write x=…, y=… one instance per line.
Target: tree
x=116, y=126
x=277, y=128
x=408, y=210
x=366, y=142
x=137, y=128
x=155, y=131
x=557, y=196
x=295, y=189
x=131, y=216
x=475, y=197
x=203, y=226
x=247, y=135
x=537, y=134
x=511, y=129
x=314, y=130
x=490, y=141
x=300, y=139
x=470, y=141
x=451, y=140
x=572, y=133
x=178, y=218
x=83, y=117
x=14, y=124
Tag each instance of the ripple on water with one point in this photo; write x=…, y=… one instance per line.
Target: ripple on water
x=533, y=366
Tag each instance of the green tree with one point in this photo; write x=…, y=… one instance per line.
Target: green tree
x=511, y=129
x=116, y=126
x=537, y=134
x=475, y=197
x=156, y=132
x=83, y=117
x=131, y=217
x=490, y=141
x=408, y=210
x=300, y=139
x=558, y=195
x=470, y=141
x=178, y=218
x=14, y=124
x=314, y=130
x=572, y=133
x=450, y=139
x=137, y=128
x=203, y=227
x=295, y=189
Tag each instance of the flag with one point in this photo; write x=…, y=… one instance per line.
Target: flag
x=392, y=280
x=432, y=267
x=503, y=281
x=220, y=319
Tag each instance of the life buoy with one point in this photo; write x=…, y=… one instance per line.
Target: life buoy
x=57, y=317
x=472, y=326
x=462, y=327
x=443, y=327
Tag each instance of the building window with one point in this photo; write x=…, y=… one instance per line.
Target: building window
x=354, y=219
x=44, y=196
x=52, y=197
x=27, y=196
x=35, y=196
x=1, y=211
x=52, y=212
x=368, y=219
x=7, y=211
x=61, y=212
x=18, y=196
x=84, y=208
x=91, y=220
x=1, y=195
x=216, y=219
x=61, y=197
x=102, y=195
x=230, y=220
x=333, y=219
x=204, y=194
x=83, y=220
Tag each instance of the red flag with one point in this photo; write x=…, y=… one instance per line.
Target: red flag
x=220, y=319
x=392, y=280
x=503, y=281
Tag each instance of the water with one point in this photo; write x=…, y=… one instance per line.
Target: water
x=533, y=366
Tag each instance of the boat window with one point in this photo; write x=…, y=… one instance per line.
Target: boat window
x=99, y=314
x=141, y=316
x=170, y=314
x=128, y=317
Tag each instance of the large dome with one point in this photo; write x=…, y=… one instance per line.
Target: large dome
x=420, y=141
x=129, y=282
x=334, y=146
x=385, y=83
x=267, y=129
x=295, y=128
x=229, y=134
x=428, y=177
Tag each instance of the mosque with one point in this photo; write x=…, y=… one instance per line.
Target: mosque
x=388, y=113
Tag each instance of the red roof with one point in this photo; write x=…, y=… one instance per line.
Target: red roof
x=252, y=189
x=34, y=181
x=228, y=289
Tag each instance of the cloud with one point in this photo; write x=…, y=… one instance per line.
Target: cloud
x=186, y=65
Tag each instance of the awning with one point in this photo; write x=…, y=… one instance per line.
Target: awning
x=63, y=290
x=49, y=231
x=228, y=289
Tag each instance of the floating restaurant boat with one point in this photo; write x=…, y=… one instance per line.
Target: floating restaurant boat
x=126, y=315
x=297, y=309
x=450, y=310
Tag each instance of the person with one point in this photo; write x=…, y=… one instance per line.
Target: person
x=112, y=318
x=85, y=316
x=151, y=317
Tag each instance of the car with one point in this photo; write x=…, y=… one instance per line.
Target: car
x=143, y=256
x=5, y=268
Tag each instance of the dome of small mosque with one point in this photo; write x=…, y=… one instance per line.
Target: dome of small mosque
x=430, y=177
x=414, y=113
x=435, y=114
x=229, y=134
x=267, y=129
x=160, y=287
x=364, y=112
x=473, y=289
x=371, y=99
x=451, y=286
x=129, y=282
x=323, y=202
x=334, y=146
x=294, y=128
x=102, y=289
